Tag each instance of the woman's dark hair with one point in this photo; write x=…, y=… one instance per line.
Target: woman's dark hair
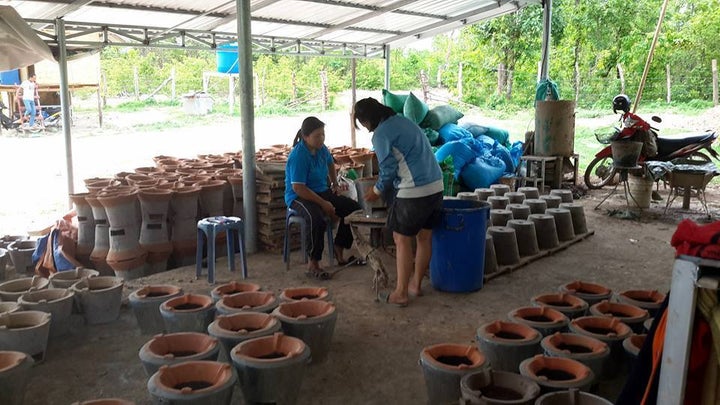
x=371, y=111
x=309, y=124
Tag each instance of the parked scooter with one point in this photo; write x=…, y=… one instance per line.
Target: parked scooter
x=688, y=146
x=6, y=121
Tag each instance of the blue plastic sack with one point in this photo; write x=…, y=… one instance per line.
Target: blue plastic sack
x=452, y=132
x=499, y=134
x=516, y=151
x=461, y=153
x=503, y=154
x=482, y=172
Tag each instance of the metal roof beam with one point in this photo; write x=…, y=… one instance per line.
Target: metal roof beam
x=364, y=17
x=492, y=10
x=233, y=16
x=156, y=37
x=324, y=26
x=374, y=8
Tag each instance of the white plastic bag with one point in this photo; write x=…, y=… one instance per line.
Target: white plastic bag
x=347, y=188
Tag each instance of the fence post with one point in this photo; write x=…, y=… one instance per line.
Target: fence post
x=231, y=93
x=667, y=76
x=136, y=83
x=715, y=82
x=324, y=83
x=501, y=78
x=460, y=81
x=172, y=84
x=425, y=85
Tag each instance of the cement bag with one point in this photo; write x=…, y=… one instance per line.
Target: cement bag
x=394, y=101
x=482, y=172
x=415, y=109
x=432, y=135
x=461, y=155
x=441, y=115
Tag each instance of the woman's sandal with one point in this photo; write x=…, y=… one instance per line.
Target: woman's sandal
x=318, y=274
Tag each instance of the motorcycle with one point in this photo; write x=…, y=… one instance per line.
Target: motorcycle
x=696, y=147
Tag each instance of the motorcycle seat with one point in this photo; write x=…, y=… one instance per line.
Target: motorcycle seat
x=668, y=145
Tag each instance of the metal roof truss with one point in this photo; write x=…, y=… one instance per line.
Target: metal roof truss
x=92, y=36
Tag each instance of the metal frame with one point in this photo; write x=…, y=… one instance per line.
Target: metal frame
x=689, y=273
x=77, y=38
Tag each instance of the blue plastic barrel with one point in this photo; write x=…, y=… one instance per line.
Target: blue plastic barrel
x=458, y=246
x=227, y=58
x=10, y=77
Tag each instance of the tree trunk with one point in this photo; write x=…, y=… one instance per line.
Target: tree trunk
x=621, y=76
x=576, y=69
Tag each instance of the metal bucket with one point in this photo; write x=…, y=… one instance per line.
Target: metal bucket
x=625, y=154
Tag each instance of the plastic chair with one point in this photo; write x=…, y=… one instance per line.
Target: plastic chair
x=292, y=217
x=207, y=231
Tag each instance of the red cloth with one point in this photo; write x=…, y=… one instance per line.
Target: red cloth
x=699, y=358
x=697, y=240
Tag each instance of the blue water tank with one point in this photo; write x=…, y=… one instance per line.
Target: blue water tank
x=10, y=77
x=227, y=58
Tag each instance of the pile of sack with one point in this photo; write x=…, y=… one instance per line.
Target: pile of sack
x=480, y=154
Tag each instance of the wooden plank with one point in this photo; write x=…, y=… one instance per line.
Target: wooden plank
x=263, y=187
x=529, y=259
x=270, y=199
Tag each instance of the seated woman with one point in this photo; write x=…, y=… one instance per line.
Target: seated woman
x=310, y=167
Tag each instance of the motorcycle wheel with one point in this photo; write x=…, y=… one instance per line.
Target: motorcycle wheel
x=599, y=172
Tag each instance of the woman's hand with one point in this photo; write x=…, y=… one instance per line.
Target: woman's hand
x=370, y=195
x=328, y=208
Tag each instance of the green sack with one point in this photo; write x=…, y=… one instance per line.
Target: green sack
x=441, y=115
x=432, y=135
x=415, y=109
x=394, y=101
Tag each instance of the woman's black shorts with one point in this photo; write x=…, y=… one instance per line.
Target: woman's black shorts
x=409, y=215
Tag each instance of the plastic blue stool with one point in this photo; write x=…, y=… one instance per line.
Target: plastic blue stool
x=292, y=217
x=207, y=230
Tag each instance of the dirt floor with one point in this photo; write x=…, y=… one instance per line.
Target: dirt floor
x=375, y=348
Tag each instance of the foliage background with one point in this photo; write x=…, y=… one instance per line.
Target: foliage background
x=590, y=39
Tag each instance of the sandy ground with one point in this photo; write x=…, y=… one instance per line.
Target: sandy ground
x=374, y=354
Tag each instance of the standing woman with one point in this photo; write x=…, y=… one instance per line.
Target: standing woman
x=407, y=161
x=310, y=168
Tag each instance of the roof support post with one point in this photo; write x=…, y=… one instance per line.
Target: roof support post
x=547, y=25
x=247, y=124
x=387, y=66
x=65, y=104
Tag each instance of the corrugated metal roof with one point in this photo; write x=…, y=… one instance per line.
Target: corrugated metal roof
x=361, y=22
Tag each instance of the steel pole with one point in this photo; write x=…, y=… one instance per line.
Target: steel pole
x=387, y=67
x=247, y=124
x=65, y=105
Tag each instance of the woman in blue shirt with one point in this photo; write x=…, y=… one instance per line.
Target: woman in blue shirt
x=407, y=161
x=310, y=167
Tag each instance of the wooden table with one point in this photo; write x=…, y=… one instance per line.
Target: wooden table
x=359, y=222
